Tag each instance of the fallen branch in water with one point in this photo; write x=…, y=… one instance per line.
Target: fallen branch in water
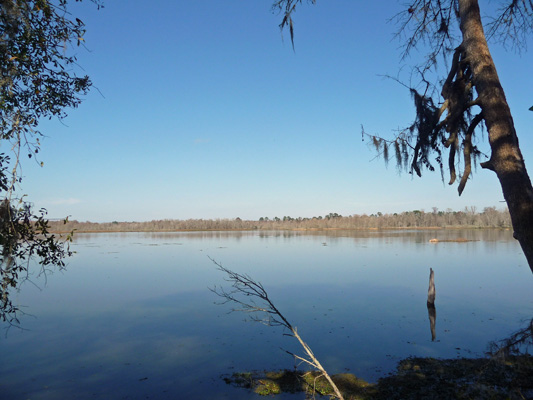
x=518, y=343
x=245, y=291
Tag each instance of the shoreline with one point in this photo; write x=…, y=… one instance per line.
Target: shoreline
x=436, y=228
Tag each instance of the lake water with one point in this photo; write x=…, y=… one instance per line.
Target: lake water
x=132, y=316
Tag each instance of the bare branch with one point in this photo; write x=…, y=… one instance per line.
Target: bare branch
x=244, y=291
x=513, y=24
x=430, y=23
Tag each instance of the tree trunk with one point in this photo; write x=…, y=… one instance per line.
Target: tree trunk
x=506, y=159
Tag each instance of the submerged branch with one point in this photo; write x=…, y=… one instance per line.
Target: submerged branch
x=517, y=343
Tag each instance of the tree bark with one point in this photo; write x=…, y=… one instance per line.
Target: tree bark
x=432, y=312
x=506, y=159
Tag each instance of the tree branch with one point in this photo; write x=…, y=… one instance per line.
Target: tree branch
x=513, y=24
x=243, y=285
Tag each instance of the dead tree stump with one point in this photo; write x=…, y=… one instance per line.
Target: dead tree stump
x=431, y=289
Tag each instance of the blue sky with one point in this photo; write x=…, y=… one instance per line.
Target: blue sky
x=200, y=109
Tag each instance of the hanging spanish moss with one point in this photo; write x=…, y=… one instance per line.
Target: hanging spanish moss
x=422, y=145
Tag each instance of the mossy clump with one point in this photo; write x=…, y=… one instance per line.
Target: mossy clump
x=317, y=383
x=415, y=378
x=354, y=388
x=268, y=382
x=240, y=379
x=293, y=381
x=266, y=387
x=481, y=378
x=349, y=385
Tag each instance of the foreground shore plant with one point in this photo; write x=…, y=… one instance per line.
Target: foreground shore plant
x=251, y=298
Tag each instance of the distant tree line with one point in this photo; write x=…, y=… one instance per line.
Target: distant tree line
x=489, y=217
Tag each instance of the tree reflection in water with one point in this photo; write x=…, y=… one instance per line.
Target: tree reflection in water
x=25, y=241
x=432, y=312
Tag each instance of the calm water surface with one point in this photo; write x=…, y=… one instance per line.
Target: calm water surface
x=132, y=316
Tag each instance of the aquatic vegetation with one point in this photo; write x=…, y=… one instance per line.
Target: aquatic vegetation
x=267, y=387
x=294, y=381
x=415, y=378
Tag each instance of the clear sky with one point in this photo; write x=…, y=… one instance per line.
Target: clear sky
x=200, y=109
